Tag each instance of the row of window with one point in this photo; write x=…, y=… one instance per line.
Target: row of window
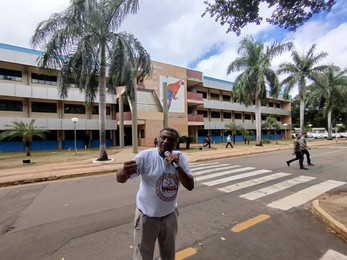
x=16, y=75
x=227, y=115
x=226, y=98
x=42, y=107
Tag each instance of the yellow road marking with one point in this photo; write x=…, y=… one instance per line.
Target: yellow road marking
x=251, y=222
x=183, y=254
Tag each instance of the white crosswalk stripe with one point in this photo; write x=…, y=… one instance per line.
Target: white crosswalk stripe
x=235, y=177
x=212, y=174
x=246, y=184
x=196, y=173
x=305, y=195
x=197, y=170
x=276, y=188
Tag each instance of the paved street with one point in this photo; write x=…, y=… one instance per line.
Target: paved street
x=238, y=208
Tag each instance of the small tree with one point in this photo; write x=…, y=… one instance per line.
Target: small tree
x=24, y=130
x=188, y=140
x=234, y=129
x=271, y=124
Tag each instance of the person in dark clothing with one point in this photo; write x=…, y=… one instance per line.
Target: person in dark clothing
x=207, y=141
x=298, y=153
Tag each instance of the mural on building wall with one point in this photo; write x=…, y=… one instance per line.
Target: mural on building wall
x=175, y=94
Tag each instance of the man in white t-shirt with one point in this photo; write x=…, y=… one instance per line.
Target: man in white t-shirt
x=161, y=170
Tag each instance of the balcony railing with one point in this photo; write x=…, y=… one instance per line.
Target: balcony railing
x=194, y=96
x=126, y=116
x=195, y=118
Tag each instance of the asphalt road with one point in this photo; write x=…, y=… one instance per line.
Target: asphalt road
x=92, y=218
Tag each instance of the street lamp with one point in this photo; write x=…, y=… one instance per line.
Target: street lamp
x=310, y=127
x=75, y=120
x=336, y=126
x=285, y=131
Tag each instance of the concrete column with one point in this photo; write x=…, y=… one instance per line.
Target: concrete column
x=121, y=122
x=134, y=119
x=165, y=111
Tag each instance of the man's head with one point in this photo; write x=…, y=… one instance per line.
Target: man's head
x=167, y=140
x=297, y=136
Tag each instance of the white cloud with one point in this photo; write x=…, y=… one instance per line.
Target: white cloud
x=174, y=32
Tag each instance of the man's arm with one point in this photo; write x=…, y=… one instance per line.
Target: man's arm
x=186, y=179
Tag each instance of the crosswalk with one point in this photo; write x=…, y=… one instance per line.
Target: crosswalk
x=231, y=178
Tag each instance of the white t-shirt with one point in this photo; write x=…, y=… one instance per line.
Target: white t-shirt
x=157, y=194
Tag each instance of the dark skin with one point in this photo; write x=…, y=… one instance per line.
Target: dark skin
x=167, y=141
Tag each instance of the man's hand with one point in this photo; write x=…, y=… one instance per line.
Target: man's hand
x=129, y=168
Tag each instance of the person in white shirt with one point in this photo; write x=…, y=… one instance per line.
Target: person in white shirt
x=305, y=148
x=229, y=142
x=162, y=170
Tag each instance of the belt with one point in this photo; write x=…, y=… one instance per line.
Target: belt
x=157, y=218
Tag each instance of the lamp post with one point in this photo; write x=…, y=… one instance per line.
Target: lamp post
x=285, y=131
x=75, y=120
x=336, y=126
x=310, y=127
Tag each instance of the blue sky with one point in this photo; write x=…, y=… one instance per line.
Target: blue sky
x=174, y=32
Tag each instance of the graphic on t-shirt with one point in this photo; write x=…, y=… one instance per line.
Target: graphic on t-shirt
x=167, y=186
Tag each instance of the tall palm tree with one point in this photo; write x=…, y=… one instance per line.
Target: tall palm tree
x=82, y=40
x=328, y=91
x=301, y=70
x=25, y=131
x=257, y=77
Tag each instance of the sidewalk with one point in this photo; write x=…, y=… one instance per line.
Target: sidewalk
x=329, y=208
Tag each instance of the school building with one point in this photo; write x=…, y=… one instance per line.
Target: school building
x=196, y=105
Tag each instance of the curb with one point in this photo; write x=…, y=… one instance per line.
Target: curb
x=54, y=178
x=335, y=225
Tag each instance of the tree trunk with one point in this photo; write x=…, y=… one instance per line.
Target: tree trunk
x=258, y=122
x=302, y=114
x=102, y=105
x=329, y=125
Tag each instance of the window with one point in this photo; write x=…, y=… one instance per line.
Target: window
x=204, y=94
x=74, y=109
x=214, y=96
x=11, y=105
x=238, y=116
x=271, y=104
x=226, y=98
x=7, y=74
x=95, y=110
x=43, y=79
x=263, y=118
x=278, y=118
x=227, y=115
x=247, y=116
x=43, y=107
x=202, y=112
x=278, y=105
x=215, y=114
x=142, y=132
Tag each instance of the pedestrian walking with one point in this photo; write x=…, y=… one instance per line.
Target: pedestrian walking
x=229, y=142
x=207, y=141
x=161, y=170
x=305, y=148
x=297, y=152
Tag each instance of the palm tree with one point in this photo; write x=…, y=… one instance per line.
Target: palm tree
x=82, y=40
x=302, y=69
x=233, y=128
x=25, y=131
x=257, y=76
x=271, y=123
x=328, y=91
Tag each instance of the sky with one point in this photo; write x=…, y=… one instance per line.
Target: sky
x=174, y=32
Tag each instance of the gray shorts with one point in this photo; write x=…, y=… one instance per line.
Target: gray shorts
x=148, y=229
